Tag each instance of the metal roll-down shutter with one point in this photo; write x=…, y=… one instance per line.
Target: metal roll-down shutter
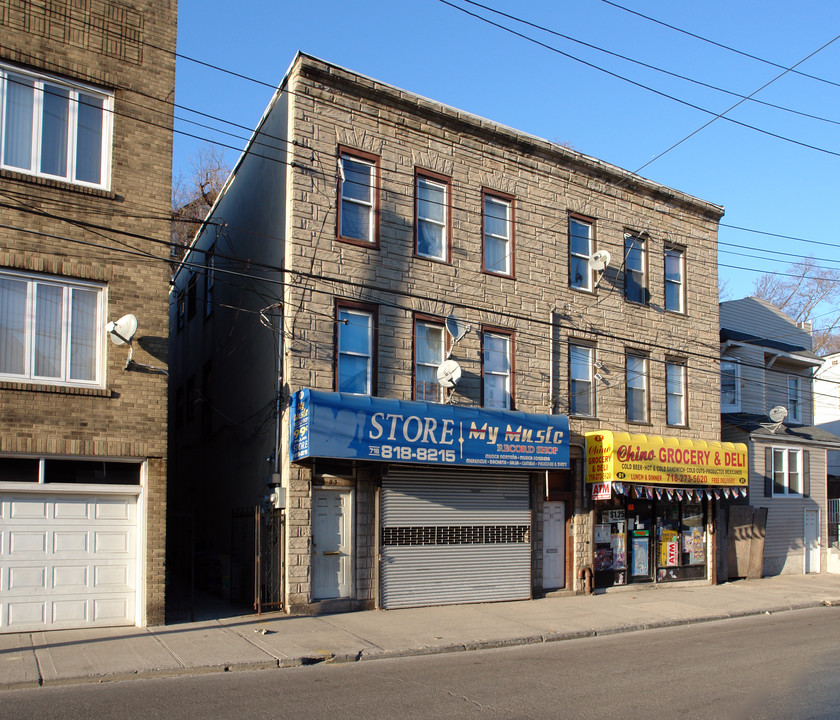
x=454, y=536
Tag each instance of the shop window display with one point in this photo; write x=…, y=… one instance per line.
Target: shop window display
x=680, y=542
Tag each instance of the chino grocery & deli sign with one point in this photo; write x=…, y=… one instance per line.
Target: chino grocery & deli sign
x=362, y=427
x=643, y=460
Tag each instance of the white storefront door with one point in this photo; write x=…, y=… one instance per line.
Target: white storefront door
x=331, y=543
x=554, y=545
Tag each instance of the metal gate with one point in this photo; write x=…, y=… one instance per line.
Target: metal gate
x=454, y=536
x=257, y=557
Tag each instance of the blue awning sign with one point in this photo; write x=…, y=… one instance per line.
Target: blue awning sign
x=361, y=427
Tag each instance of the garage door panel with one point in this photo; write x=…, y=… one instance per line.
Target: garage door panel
x=77, y=569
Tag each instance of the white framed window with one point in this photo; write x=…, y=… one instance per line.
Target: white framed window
x=675, y=393
x=429, y=353
x=497, y=221
x=786, y=472
x=498, y=370
x=355, y=357
x=794, y=400
x=51, y=330
x=580, y=249
x=432, y=217
x=637, y=388
x=730, y=386
x=635, y=269
x=359, y=197
x=52, y=128
x=581, y=380
x=675, y=279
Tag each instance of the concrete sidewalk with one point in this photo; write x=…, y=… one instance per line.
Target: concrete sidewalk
x=276, y=640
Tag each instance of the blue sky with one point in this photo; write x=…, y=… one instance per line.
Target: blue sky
x=767, y=184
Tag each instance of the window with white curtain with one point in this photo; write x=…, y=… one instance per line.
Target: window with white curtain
x=51, y=330
x=52, y=128
x=498, y=369
x=429, y=353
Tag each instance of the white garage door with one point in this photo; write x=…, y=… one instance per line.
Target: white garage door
x=67, y=561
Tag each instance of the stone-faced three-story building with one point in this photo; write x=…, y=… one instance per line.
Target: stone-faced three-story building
x=409, y=318
x=85, y=174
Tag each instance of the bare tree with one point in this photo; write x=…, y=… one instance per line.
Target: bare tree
x=807, y=291
x=194, y=195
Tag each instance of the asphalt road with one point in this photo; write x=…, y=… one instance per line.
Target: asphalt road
x=771, y=666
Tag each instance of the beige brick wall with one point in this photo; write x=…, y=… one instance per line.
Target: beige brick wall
x=330, y=107
x=113, y=47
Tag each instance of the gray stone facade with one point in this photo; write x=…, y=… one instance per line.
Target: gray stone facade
x=320, y=109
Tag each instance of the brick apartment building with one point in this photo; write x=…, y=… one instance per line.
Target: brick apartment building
x=393, y=315
x=85, y=175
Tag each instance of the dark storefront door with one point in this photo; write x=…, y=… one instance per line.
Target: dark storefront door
x=640, y=526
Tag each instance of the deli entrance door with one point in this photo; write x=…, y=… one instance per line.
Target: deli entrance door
x=640, y=531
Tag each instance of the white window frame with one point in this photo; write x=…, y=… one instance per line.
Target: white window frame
x=370, y=202
x=736, y=376
x=637, y=383
x=675, y=283
x=675, y=395
x=504, y=240
x=492, y=370
x=580, y=382
x=440, y=226
x=29, y=334
x=425, y=371
x=10, y=74
x=350, y=317
x=782, y=475
x=577, y=258
x=794, y=398
x=635, y=246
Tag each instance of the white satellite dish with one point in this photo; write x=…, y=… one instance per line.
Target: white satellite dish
x=448, y=373
x=778, y=414
x=599, y=260
x=457, y=328
x=122, y=331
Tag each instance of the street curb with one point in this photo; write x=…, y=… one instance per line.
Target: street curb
x=375, y=653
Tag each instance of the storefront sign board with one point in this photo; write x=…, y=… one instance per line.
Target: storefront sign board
x=361, y=427
x=644, y=460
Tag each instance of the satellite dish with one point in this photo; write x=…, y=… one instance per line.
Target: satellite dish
x=599, y=260
x=122, y=330
x=448, y=373
x=778, y=413
x=457, y=328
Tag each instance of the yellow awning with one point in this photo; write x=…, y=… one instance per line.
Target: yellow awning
x=643, y=460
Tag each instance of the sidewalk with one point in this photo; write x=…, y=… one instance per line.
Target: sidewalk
x=277, y=641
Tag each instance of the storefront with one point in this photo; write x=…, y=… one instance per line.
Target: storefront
x=455, y=491
x=654, y=499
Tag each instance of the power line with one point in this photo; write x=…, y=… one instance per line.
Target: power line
x=720, y=45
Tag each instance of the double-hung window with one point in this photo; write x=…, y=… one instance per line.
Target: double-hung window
x=356, y=329
x=637, y=388
x=497, y=222
x=730, y=386
x=429, y=353
x=581, y=380
x=786, y=471
x=54, y=129
x=635, y=269
x=580, y=250
x=794, y=403
x=51, y=330
x=498, y=369
x=675, y=279
x=675, y=392
x=358, y=212
x=432, y=216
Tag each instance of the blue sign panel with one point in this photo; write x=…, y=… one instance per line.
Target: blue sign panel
x=360, y=427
